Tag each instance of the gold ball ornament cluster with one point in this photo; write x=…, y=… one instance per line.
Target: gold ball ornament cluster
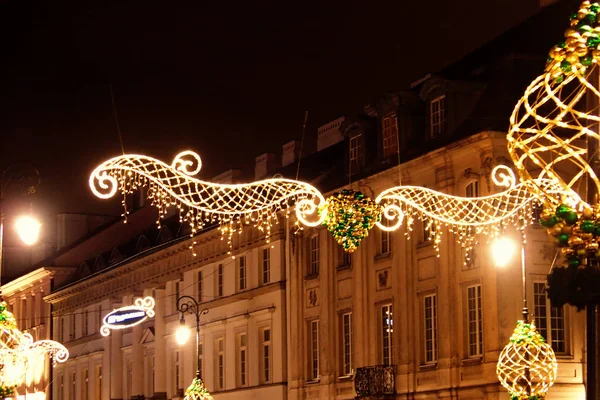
x=197, y=391
x=350, y=216
x=581, y=47
x=527, y=365
x=7, y=319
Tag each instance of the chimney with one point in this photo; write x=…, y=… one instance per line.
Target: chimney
x=291, y=153
x=228, y=177
x=329, y=134
x=266, y=164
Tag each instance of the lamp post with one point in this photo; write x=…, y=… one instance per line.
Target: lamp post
x=189, y=305
x=28, y=228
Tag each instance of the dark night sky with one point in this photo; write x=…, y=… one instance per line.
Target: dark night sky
x=230, y=80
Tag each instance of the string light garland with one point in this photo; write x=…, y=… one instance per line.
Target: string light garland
x=232, y=206
x=527, y=365
x=197, y=391
x=349, y=217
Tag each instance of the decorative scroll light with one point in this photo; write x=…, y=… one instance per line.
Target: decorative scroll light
x=232, y=206
x=465, y=216
x=527, y=365
x=128, y=316
x=197, y=391
x=18, y=350
x=552, y=122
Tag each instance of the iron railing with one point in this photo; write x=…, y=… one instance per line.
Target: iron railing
x=375, y=381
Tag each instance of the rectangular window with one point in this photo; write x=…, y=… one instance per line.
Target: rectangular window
x=475, y=321
x=387, y=334
x=347, y=365
x=73, y=385
x=314, y=256
x=355, y=153
x=314, y=350
x=98, y=383
x=200, y=286
x=472, y=189
x=266, y=355
x=99, y=316
x=85, y=384
x=385, y=243
x=437, y=114
x=220, y=364
x=177, y=369
x=546, y=315
x=242, y=360
x=430, y=329
x=390, y=136
x=73, y=326
x=344, y=258
x=428, y=229
x=220, y=280
x=266, y=265
x=242, y=272
x=85, y=323
x=176, y=294
x=61, y=329
x=23, y=314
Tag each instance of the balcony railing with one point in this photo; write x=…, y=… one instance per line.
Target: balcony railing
x=375, y=381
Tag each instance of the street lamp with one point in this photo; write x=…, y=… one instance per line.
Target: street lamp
x=527, y=365
x=27, y=227
x=187, y=304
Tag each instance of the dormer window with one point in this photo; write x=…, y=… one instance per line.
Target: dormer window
x=355, y=153
x=390, y=136
x=437, y=115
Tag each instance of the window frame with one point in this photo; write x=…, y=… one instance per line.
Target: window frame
x=386, y=333
x=434, y=334
x=314, y=255
x=389, y=135
x=242, y=273
x=200, y=285
x=314, y=365
x=220, y=276
x=266, y=366
x=546, y=328
x=476, y=319
x=437, y=116
x=242, y=360
x=347, y=359
x=220, y=363
x=355, y=153
x=266, y=266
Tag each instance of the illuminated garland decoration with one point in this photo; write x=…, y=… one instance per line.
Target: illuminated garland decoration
x=552, y=121
x=464, y=216
x=232, y=206
x=527, y=365
x=197, y=391
x=18, y=349
x=349, y=217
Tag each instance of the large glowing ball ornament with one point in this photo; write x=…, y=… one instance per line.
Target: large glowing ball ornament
x=527, y=365
x=28, y=229
x=553, y=121
x=503, y=250
x=197, y=391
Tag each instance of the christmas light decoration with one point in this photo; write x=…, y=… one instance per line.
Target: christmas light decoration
x=197, y=391
x=349, y=217
x=232, y=206
x=527, y=365
x=18, y=350
x=128, y=316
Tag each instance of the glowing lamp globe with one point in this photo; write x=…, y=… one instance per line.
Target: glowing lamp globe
x=28, y=229
x=182, y=335
x=503, y=250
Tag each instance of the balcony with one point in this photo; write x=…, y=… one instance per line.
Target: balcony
x=376, y=381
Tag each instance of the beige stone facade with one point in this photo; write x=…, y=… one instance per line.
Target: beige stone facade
x=439, y=324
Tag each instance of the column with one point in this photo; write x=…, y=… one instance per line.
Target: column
x=138, y=361
x=116, y=365
x=160, y=362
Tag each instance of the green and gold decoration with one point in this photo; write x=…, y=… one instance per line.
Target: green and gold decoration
x=577, y=281
x=527, y=365
x=6, y=391
x=581, y=46
x=197, y=391
x=7, y=320
x=350, y=216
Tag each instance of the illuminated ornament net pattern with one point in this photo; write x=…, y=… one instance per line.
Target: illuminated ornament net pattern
x=232, y=206
x=552, y=121
x=18, y=350
x=527, y=365
x=464, y=216
x=197, y=391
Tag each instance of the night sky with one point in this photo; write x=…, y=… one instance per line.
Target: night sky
x=230, y=80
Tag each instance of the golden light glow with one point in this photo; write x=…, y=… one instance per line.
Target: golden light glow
x=28, y=229
x=232, y=206
x=182, y=335
x=503, y=250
